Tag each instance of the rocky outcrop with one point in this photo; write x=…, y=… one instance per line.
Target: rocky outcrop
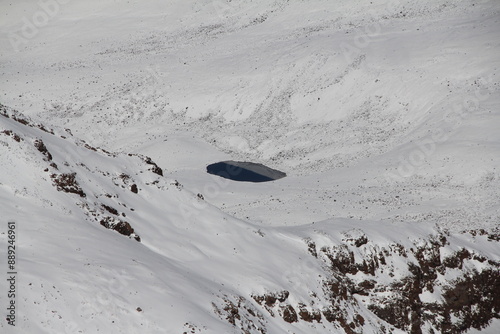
x=119, y=226
x=66, y=182
x=431, y=285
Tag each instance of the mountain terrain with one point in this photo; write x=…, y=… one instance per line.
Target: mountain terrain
x=384, y=115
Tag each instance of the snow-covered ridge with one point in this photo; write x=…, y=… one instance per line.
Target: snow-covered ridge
x=198, y=268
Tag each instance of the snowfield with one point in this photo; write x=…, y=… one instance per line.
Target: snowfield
x=383, y=114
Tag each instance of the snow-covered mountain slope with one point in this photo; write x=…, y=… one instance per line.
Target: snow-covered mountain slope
x=359, y=101
x=198, y=269
x=383, y=114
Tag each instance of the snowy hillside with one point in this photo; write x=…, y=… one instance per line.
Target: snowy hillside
x=383, y=115
x=196, y=268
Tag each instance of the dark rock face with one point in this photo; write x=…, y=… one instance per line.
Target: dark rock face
x=119, y=226
x=155, y=169
x=468, y=299
x=40, y=146
x=67, y=183
x=289, y=314
x=110, y=209
x=15, y=136
x=244, y=171
x=462, y=284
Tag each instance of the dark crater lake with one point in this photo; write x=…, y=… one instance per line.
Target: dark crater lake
x=244, y=171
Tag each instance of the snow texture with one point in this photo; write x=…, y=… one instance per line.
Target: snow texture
x=383, y=114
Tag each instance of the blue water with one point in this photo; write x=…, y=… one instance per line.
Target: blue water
x=244, y=171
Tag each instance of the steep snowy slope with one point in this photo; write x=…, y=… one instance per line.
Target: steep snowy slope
x=186, y=266
x=360, y=100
